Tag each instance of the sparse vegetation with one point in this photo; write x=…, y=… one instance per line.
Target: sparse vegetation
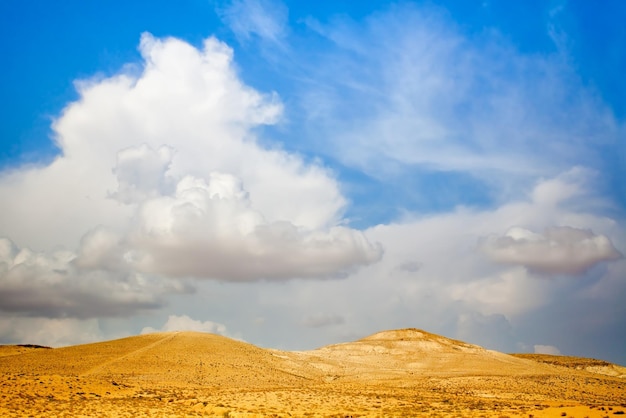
x=33, y=346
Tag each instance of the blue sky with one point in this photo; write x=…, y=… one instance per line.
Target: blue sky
x=246, y=167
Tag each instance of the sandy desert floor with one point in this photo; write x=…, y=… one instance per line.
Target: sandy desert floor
x=399, y=373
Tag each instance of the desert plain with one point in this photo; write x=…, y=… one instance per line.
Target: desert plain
x=399, y=373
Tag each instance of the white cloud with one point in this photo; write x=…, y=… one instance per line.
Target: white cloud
x=266, y=19
x=559, y=250
x=141, y=173
x=456, y=290
x=429, y=95
x=161, y=175
x=185, y=323
x=211, y=230
x=58, y=284
x=102, y=248
x=547, y=349
x=510, y=292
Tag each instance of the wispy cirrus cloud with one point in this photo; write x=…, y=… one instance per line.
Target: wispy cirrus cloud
x=430, y=95
x=265, y=19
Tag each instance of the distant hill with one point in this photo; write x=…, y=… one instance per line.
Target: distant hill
x=577, y=363
x=10, y=350
x=395, y=372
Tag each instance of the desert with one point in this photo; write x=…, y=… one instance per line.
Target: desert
x=292, y=208
x=396, y=373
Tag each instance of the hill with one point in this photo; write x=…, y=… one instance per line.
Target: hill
x=578, y=363
x=10, y=350
x=392, y=373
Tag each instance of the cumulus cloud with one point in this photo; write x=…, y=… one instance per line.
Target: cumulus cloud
x=185, y=323
x=161, y=176
x=558, y=250
x=58, y=284
x=510, y=291
x=102, y=248
x=185, y=99
x=210, y=229
x=141, y=173
x=547, y=349
x=459, y=292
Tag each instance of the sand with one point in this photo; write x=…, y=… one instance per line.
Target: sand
x=393, y=373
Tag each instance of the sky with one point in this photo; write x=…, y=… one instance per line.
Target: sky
x=296, y=174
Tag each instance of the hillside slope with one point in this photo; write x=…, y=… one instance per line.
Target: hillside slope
x=578, y=363
x=398, y=353
x=174, y=357
x=392, y=373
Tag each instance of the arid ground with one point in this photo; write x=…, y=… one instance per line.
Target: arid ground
x=392, y=373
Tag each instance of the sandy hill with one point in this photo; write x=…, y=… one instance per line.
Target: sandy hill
x=392, y=373
x=9, y=350
x=174, y=357
x=578, y=363
x=400, y=353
